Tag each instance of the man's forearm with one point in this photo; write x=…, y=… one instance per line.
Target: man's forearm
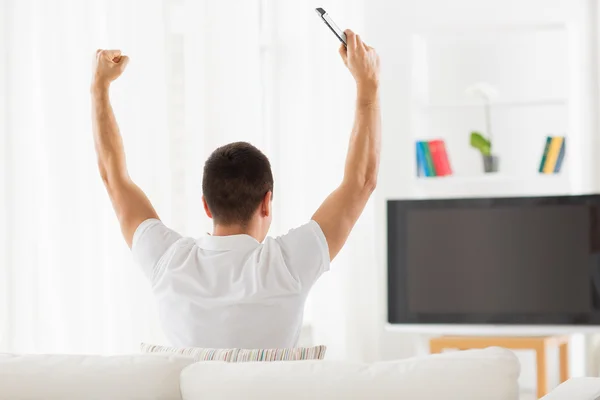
x=362, y=162
x=107, y=138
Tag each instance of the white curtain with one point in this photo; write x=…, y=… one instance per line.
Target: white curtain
x=67, y=279
x=202, y=74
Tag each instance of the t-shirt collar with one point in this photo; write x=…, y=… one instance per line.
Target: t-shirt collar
x=223, y=243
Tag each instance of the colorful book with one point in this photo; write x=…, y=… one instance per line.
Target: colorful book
x=420, y=160
x=561, y=156
x=440, y=158
x=446, y=159
x=429, y=167
x=425, y=156
x=545, y=153
x=553, y=153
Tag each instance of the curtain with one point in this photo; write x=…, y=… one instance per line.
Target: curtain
x=67, y=279
x=202, y=74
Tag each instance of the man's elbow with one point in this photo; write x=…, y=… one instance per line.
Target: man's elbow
x=370, y=184
x=363, y=184
x=369, y=179
x=110, y=178
x=104, y=174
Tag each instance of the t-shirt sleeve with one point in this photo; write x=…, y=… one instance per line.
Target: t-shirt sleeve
x=151, y=242
x=305, y=253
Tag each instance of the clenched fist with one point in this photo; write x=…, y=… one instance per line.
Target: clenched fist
x=361, y=60
x=109, y=65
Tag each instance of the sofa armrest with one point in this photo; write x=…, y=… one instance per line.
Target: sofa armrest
x=576, y=389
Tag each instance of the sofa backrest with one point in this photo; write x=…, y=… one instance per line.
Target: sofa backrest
x=576, y=389
x=54, y=377
x=478, y=374
x=489, y=374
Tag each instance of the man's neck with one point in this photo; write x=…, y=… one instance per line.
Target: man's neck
x=229, y=230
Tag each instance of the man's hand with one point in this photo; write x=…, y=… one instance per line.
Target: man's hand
x=109, y=65
x=361, y=60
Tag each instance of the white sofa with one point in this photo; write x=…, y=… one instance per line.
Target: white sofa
x=489, y=374
x=576, y=389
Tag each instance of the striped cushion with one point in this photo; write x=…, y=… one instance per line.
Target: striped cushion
x=241, y=355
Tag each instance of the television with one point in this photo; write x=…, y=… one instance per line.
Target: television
x=500, y=261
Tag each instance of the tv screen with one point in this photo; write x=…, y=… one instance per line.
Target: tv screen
x=494, y=261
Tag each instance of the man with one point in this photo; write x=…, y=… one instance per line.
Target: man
x=235, y=288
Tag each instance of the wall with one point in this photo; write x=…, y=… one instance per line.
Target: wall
x=390, y=26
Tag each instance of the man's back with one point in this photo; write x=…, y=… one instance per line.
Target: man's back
x=219, y=290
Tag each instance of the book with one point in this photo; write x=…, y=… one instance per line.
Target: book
x=424, y=163
x=561, y=156
x=553, y=152
x=420, y=160
x=430, y=169
x=436, y=156
x=440, y=158
x=545, y=153
x=446, y=159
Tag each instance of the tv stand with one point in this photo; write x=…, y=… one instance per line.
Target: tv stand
x=539, y=344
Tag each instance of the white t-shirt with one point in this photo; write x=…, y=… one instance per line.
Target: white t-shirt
x=231, y=291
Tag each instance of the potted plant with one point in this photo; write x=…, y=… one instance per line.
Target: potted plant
x=478, y=140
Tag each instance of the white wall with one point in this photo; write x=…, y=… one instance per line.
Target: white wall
x=391, y=27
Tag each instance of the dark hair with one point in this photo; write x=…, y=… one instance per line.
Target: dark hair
x=236, y=178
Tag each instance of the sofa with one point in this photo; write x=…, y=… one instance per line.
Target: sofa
x=489, y=374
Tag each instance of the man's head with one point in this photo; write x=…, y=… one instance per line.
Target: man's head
x=238, y=187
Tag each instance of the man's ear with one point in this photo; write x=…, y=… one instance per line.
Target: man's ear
x=206, y=209
x=267, y=204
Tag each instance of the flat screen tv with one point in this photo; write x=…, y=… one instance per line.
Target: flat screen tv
x=501, y=261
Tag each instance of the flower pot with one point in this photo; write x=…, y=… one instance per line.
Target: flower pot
x=491, y=163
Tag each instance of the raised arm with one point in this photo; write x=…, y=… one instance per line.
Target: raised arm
x=340, y=211
x=130, y=203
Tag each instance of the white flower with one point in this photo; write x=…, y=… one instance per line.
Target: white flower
x=483, y=90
